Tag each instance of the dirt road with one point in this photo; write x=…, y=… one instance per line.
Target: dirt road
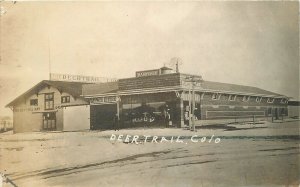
x=92, y=159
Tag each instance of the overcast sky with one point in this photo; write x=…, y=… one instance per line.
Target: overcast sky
x=248, y=43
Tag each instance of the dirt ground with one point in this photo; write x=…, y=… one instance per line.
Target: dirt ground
x=264, y=155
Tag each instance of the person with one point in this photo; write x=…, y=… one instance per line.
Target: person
x=116, y=122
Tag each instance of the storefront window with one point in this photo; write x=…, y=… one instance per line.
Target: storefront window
x=151, y=113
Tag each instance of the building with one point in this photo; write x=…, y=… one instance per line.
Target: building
x=51, y=106
x=164, y=98
x=153, y=98
x=6, y=124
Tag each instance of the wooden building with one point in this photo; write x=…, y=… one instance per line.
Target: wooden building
x=51, y=106
x=153, y=98
x=162, y=97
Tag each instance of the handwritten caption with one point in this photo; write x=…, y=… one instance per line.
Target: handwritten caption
x=136, y=139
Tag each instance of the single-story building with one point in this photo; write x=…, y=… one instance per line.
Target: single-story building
x=162, y=97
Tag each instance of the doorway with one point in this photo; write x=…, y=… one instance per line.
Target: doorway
x=49, y=121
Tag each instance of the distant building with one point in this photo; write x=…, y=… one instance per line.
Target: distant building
x=6, y=124
x=51, y=106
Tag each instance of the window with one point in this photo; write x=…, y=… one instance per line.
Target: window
x=246, y=98
x=33, y=102
x=232, y=97
x=284, y=101
x=258, y=99
x=65, y=99
x=49, y=101
x=270, y=100
x=216, y=96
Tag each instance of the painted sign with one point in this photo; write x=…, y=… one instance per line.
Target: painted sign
x=27, y=109
x=102, y=100
x=79, y=78
x=147, y=73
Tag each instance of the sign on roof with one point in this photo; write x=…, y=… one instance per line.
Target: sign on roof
x=79, y=78
x=147, y=73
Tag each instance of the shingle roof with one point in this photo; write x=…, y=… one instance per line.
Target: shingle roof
x=100, y=88
x=225, y=87
x=73, y=88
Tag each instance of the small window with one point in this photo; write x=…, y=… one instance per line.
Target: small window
x=270, y=100
x=33, y=102
x=216, y=96
x=65, y=99
x=258, y=99
x=232, y=97
x=284, y=101
x=246, y=98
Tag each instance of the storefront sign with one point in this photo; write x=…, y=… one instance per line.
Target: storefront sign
x=79, y=78
x=147, y=73
x=28, y=109
x=101, y=100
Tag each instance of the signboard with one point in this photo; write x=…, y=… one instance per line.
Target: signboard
x=79, y=78
x=147, y=73
x=103, y=100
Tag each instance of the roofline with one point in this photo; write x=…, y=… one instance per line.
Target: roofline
x=9, y=104
x=47, y=82
x=177, y=88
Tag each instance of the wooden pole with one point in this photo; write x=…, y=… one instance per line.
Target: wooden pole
x=193, y=110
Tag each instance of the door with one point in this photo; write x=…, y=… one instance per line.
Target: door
x=49, y=121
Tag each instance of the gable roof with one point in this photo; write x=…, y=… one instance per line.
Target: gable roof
x=73, y=88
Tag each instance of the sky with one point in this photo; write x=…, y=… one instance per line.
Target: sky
x=249, y=43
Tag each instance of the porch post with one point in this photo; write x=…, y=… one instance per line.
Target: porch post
x=181, y=112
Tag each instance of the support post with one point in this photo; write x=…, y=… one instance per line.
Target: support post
x=181, y=113
x=190, y=108
x=193, y=110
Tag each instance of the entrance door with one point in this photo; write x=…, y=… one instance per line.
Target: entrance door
x=49, y=121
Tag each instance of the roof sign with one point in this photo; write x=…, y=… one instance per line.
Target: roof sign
x=79, y=78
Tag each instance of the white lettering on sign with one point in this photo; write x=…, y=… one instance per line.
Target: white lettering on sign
x=79, y=78
x=28, y=109
x=99, y=100
x=147, y=73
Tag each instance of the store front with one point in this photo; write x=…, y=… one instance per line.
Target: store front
x=150, y=110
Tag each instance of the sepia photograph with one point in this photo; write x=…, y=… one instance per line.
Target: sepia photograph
x=149, y=93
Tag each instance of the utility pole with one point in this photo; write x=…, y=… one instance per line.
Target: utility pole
x=192, y=103
x=49, y=59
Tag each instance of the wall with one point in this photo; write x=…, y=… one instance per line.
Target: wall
x=294, y=111
x=76, y=118
x=150, y=81
x=223, y=108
